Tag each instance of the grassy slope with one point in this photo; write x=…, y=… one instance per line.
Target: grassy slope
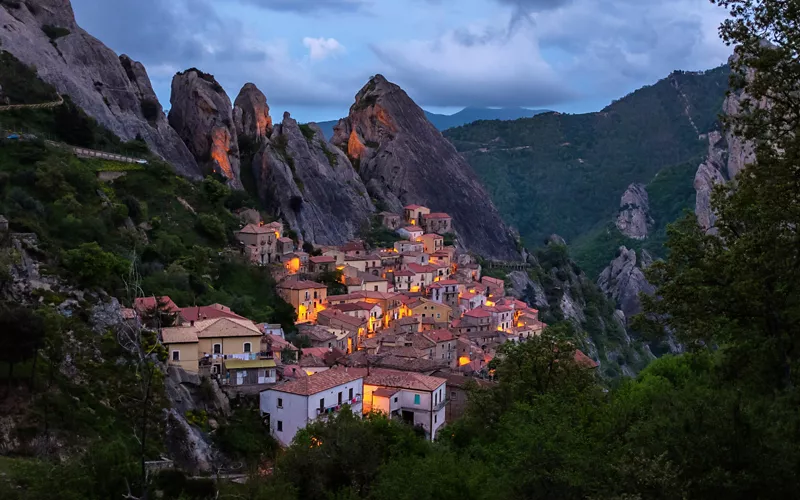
x=564, y=174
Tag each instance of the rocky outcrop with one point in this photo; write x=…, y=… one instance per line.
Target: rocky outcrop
x=523, y=287
x=633, y=219
x=404, y=160
x=251, y=114
x=311, y=184
x=202, y=115
x=710, y=174
x=728, y=155
x=623, y=280
x=115, y=91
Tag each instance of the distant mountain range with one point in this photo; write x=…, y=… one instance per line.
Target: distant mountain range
x=564, y=173
x=463, y=117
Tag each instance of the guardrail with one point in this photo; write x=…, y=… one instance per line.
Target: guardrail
x=43, y=105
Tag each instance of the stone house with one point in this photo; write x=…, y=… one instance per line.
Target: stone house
x=432, y=242
x=437, y=222
x=411, y=233
x=321, y=264
x=211, y=342
x=404, y=246
x=259, y=242
x=307, y=297
x=390, y=220
x=413, y=214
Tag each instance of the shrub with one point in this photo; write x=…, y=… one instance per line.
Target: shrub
x=55, y=32
x=91, y=266
x=307, y=131
x=212, y=227
x=150, y=110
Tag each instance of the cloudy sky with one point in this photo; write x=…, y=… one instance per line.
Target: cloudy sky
x=310, y=57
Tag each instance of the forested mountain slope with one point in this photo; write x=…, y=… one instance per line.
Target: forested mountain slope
x=564, y=174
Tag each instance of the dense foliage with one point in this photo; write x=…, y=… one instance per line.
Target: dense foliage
x=564, y=174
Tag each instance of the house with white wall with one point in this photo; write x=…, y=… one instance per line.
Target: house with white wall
x=417, y=399
x=290, y=406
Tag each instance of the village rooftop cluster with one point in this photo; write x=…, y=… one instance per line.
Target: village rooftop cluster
x=415, y=323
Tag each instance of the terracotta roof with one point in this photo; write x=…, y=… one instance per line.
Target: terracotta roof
x=478, y=313
x=385, y=392
x=322, y=259
x=285, y=240
x=413, y=229
x=208, y=312
x=384, y=377
x=143, y=304
x=403, y=273
x=371, y=278
x=257, y=229
x=435, y=236
x=408, y=320
x=226, y=327
x=332, y=314
x=488, y=280
x=315, y=333
x=413, y=207
x=278, y=343
x=584, y=360
x=318, y=382
x=437, y=215
x=179, y=335
x=441, y=335
x=449, y=282
x=352, y=245
x=293, y=371
x=300, y=285
x=128, y=313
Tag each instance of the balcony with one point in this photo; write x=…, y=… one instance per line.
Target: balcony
x=337, y=407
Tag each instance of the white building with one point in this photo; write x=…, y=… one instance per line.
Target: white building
x=417, y=399
x=291, y=406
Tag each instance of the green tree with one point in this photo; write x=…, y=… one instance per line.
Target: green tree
x=93, y=267
x=738, y=287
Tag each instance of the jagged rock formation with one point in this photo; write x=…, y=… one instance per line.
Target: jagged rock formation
x=523, y=287
x=251, y=113
x=634, y=218
x=403, y=159
x=202, y=115
x=115, y=91
x=727, y=156
x=623, y=281
x=311, y=184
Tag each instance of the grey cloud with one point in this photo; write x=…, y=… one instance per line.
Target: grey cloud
x=168, y=36
x=309, y=6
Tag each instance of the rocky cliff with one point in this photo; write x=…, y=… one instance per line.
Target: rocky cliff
x=623, y=280
x=202, y=115
x=403, y=159
x=115, y=91
x=251, y=113
x=727, y=156
x=311, y=184
x=633, y=219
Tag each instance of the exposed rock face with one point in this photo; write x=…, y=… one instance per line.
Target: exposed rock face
x=634, y=218
x=311, y=185
x=710, y=174
x=404, y=160
x=202, y=115
x=523, y=287
x=251, y=113
x=115, y=91
x=623, y=281
x=727, y=156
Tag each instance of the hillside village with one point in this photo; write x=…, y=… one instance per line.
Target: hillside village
x=402, y=330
